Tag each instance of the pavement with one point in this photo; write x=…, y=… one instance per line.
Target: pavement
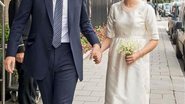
x=167, y=79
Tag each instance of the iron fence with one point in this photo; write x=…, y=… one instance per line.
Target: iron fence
x=98, y=10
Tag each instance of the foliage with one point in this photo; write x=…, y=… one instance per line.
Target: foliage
x=1, y=60
x=86, y=46
x=6, y=33
x=161, y=1
x=100, y=31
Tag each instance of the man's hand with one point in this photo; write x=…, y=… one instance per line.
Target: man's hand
x=96, y=54
x=20, y=57
x=9, y=64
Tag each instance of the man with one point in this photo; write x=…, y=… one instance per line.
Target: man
x=27, y=86
x=53, y=53
x=175, y=11
x=173, y=19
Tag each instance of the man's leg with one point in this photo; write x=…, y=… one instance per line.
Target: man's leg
x=34, y=90
x=46, y=89
x=46, y=84
x=21, y=88
x=65, y=76
x=25, y=90
x=30, y=90
x=59, y=84
x=64, y=86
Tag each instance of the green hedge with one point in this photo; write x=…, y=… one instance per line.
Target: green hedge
x=6, y=32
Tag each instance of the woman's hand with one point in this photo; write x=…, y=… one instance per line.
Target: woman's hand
x=148, y=48
x=132, y=58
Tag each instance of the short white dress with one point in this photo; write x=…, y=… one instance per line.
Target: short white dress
x=129, y=84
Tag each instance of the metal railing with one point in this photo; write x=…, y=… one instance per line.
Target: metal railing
x=102, y=6
x=3, y=52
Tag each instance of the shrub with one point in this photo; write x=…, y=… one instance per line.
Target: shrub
x=100, y=31
x=6, y=33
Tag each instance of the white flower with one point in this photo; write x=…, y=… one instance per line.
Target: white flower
x=128, y=47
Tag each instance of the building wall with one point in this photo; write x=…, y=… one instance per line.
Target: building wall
x=6, y=2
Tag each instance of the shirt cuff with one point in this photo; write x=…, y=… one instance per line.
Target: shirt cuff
x=155, y=37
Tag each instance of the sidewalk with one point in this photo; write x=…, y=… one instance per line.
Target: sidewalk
x=167, y=80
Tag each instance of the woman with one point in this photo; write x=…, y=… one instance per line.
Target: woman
x=128, y=75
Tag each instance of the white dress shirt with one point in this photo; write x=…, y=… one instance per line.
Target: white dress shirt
x=64, y=35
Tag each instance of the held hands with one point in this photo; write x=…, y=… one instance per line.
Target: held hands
x=132, y=58
x=96, y=54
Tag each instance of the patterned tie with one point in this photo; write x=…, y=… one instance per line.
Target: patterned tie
x=57, y=27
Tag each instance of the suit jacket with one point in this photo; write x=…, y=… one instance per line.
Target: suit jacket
x=12, y=11
x=39, y=41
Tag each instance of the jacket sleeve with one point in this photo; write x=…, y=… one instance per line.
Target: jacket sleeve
x=17, y=27
x=86, y=26
x=12, y=11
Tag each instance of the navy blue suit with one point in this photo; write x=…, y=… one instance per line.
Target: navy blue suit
x=39, y=47
x=40, y=38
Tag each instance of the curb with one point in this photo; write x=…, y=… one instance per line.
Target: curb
x=85, y=55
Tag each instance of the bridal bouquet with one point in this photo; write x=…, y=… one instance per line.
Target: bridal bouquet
x=128, y=47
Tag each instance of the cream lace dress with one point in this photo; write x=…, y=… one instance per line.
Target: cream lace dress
x=129, y=84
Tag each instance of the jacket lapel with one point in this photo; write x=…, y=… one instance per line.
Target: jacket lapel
x=49, y=7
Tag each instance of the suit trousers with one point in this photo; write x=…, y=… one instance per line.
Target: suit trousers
x=60, y=82
x=27, y=87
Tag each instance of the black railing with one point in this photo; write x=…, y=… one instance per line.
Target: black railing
x=98, y=10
